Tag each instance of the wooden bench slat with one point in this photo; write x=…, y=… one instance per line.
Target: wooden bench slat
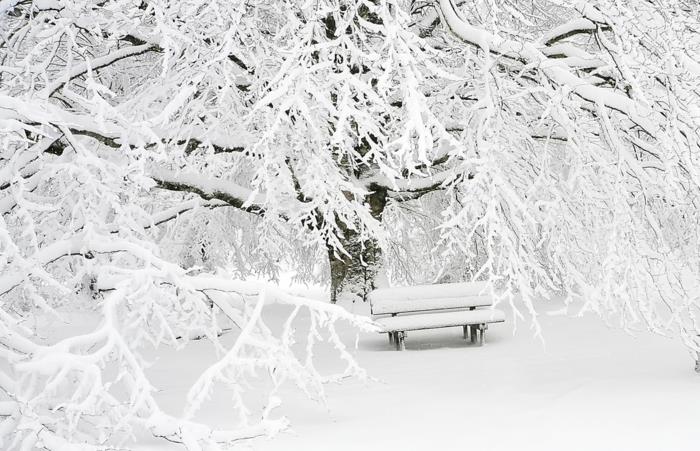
x=443, y=290
x=383, y=307
x=440, y=319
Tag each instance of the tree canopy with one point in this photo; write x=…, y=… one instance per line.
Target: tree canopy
x=156, y=154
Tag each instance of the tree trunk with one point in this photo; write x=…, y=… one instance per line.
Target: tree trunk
x=356, y=273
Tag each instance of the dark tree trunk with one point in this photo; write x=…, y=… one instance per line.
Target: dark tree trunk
x=356, y=273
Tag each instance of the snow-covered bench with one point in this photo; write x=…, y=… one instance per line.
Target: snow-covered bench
x=397, y=310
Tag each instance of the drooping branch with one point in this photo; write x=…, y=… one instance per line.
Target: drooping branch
x=556, y=70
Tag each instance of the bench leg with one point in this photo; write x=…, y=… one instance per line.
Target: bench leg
x=391, y=337
x=482, y=332
x=465, y=332
x=400, y=345
x=473, y=329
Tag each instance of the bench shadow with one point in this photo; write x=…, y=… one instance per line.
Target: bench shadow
x=426, y=340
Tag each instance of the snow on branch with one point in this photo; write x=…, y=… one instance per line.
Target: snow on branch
x=56, y=390
x=571, y=28
x=208, y=189
x=556, y=70
x=96, y=64
x=549, y=155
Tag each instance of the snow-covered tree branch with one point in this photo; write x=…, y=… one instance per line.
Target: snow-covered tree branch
x=153, y=155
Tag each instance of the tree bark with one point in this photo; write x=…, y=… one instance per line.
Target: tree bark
x=356, y=273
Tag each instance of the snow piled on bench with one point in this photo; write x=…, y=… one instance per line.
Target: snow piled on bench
x=443, y=290
x=382, y=307
x=441, y=319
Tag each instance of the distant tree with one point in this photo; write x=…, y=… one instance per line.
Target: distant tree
x=154, y=153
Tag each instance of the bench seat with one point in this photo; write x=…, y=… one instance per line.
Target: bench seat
x=439, y=319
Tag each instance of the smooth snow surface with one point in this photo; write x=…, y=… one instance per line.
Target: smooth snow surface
x=441, y=319
x=381, y=307
x=589, y=387
x=443, y=290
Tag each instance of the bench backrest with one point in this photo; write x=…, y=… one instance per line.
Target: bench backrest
x=429, y=297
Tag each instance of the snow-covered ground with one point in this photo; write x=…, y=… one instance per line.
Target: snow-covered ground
x=587, y=387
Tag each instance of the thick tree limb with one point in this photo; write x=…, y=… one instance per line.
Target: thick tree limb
x=209, y=188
